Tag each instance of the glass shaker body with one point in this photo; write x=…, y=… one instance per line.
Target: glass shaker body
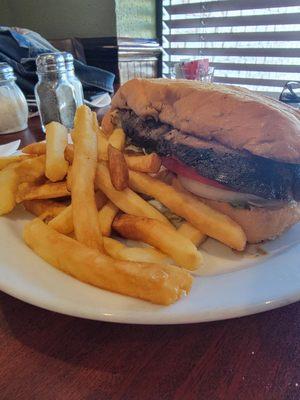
x=13, y=105
x=69, y=61
x=55, y=95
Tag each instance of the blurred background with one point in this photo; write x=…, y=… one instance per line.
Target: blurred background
x=117, y=35
x=250, y=43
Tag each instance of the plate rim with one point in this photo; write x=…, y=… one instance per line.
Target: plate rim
x=133, y=318
x=237, y=305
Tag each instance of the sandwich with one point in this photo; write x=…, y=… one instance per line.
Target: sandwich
x=238, y=151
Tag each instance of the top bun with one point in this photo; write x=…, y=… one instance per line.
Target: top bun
x=236, y=117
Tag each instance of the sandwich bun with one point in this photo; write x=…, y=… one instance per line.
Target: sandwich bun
x=235, y=117
x=260, y=224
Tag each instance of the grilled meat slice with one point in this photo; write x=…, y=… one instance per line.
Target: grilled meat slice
x=239, y=170
x=145, y=134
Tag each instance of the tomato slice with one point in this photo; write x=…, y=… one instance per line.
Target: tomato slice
x=179, y=168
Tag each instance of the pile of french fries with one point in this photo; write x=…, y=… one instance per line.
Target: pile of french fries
x=90, y=195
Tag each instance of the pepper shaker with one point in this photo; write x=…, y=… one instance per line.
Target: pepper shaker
x=55, y=95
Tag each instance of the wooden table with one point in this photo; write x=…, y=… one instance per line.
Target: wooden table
x=47, y=356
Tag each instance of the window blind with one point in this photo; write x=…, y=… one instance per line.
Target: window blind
x=252, y=43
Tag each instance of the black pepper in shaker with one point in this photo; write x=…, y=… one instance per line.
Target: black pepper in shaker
x=55, y=95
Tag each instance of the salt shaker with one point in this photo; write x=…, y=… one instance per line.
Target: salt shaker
x=13, y=105
x=55, y=95
x=69, y=61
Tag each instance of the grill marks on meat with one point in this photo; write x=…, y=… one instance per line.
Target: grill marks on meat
x=239, y=170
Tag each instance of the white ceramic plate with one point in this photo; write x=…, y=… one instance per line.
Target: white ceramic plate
x=229, y=285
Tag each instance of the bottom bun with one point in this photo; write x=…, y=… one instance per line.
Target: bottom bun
x=260, y=223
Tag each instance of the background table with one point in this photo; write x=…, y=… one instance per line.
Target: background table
x=47, y=356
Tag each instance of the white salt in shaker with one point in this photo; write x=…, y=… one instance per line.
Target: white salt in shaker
x=69, y=61
x=13, y=105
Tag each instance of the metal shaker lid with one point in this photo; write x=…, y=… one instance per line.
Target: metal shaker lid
x=69, y=59
x=50, y=62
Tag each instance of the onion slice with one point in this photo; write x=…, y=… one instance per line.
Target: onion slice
x=227, y=196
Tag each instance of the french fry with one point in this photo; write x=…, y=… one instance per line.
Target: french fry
x=110, y=122
x=126, y=200
x=86, y=226
x=63, y=222
x=37, y=148
x=56, y=142
x=149, y=163
x=116, y=139
x=119, y=251
x=9, y=181
x=106, y=216
x=69, y=178
x=102, y=145
x=31, y=191
x=107, y=123
x=118, y=170
x=157, y=283
x=100, y=199
x=45, y=209
x=189, y=231
x=187, y=206
x=69, y=153
x=32, y=169
x=5, y=161
x=112, y=247
x=159, y=235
